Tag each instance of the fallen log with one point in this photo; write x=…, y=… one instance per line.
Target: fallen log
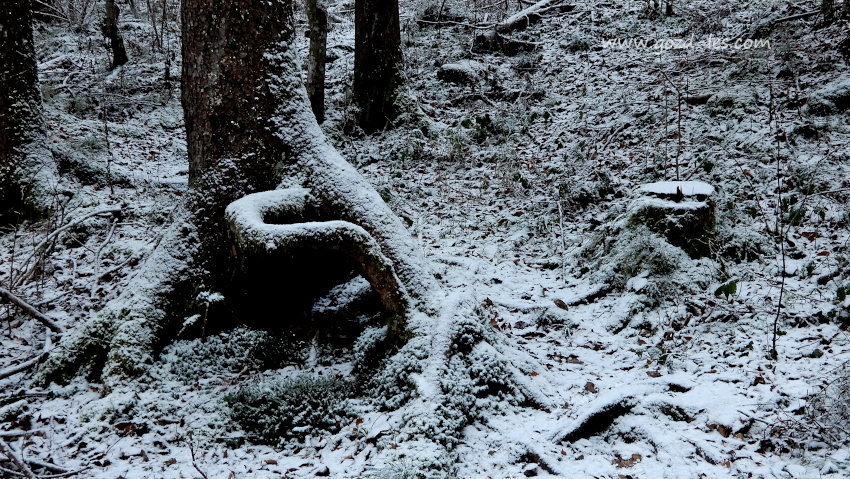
x=697, y=99
x=496, y=39
x=531, y=15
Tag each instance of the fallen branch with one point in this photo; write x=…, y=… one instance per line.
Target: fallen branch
x=798, y=16
x=14, y=434
x=47, y=466
x=12, y=370
x=30, y=310
x=442, y=23
x=495, y=39
x=764, y=28
x=19, y=368
x=65, y=474
x=22, y=466
x=42, y=246
x=523, y=18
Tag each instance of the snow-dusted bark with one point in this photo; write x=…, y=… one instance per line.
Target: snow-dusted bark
x=26, y=169
x=247, y=134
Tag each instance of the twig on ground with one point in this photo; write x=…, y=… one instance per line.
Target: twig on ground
x=42, y=247
x=99, y=251
x=48, y=466
x=13, y=434
x=30, y=310
x=11, y=371
x=21, y=465
x=108, y=272
x=195, y=464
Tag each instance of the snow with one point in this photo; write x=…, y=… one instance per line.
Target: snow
x=502, y=215
x=671, y=188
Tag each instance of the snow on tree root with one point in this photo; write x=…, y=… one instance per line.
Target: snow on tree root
x=246, y=218
x=118, y=343
x=338, y=188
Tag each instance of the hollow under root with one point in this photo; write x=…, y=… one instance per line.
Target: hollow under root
x=247, y=220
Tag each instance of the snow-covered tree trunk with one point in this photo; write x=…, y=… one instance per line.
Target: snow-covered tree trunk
x=377, y=61
x=250, y=129
x=23, y=164
x=273, y=207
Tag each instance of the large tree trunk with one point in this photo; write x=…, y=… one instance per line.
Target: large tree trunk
x=23, y=164
x=250, y=129
x=317, y=16
x=274, y=208
x=377, y=61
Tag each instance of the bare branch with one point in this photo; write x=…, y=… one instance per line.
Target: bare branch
x=10, y=453
x=30, y=310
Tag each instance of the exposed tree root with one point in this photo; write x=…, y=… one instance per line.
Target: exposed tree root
x=246, y=219
x=322, y=205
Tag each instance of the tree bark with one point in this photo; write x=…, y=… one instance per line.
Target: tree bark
x=20, y=114
x=317, y=16
x=109, y=28
x=377, y=62
x=250, y=129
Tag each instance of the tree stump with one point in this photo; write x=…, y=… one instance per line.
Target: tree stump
x=680, y=211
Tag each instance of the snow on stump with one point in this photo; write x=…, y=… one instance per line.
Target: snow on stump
x=832, y=99
x=464, y=72
x=680, y=211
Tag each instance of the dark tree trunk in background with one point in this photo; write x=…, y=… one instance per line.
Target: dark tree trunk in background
x=827, y=9
x=109, y=28
x=377, y=61
x=20, y=106
x=317, y=15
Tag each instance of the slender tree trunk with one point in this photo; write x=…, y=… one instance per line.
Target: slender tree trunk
x=109, y=28
x=377, y=61
x=317, y=15
x=20, y=111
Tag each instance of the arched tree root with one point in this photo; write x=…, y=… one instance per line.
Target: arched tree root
x=246, y=219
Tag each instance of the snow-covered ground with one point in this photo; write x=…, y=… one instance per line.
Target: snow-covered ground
x=520, y=183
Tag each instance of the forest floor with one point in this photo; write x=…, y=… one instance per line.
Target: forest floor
x=516, y=173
